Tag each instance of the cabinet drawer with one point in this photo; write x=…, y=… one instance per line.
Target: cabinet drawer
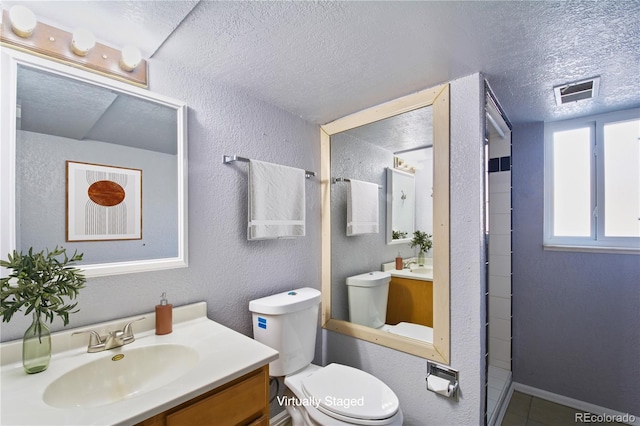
x=241, y=403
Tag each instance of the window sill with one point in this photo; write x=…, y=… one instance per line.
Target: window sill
x=591, y=249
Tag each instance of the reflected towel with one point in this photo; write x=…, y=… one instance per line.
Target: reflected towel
x=362, y=208
x=276, y=201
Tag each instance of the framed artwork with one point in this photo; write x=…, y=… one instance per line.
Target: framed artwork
x=103, y=202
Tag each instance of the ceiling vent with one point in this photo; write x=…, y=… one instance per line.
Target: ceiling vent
x=577, y=91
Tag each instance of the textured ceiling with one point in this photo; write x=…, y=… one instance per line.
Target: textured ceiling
x=59, y=106
x=323, y=60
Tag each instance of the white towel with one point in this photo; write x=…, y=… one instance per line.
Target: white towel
x=362, y=208
x=276, y=201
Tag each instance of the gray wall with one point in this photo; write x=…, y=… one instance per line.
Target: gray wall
x=225, y=270
x=405, y=373
x=576, y=316
x=41, y=170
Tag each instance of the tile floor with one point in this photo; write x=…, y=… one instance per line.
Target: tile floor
x=526, y=410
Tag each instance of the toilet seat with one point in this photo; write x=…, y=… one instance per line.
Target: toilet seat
x=351, y=395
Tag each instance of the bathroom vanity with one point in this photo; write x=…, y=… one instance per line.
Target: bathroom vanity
x=410, y=295
x=201, y=373
x=241, y=401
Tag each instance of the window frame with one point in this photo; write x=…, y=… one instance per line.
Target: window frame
x=597, y=241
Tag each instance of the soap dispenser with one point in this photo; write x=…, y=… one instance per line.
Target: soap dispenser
x=164, y=316
x=399, y=265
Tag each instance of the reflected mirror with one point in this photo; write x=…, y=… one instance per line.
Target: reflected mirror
x=99, y=167
x=403, y=148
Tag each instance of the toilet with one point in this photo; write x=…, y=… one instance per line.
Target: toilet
x=368, y=294
x=314, y=395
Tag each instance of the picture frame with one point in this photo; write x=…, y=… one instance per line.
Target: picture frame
x=103, y=202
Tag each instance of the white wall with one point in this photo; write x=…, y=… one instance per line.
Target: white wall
x=500, y=254
x=405, y=373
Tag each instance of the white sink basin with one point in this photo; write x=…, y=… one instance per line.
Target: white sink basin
x=422, y=269
x=122, y=374
x=157, y=372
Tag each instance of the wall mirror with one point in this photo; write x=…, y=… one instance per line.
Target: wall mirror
x=401, y=206
x=94, y=165
x=363, y=146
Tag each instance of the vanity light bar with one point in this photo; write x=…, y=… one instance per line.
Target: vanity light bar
x=53, y=43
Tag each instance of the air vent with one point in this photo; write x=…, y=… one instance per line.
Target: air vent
x=577, y=91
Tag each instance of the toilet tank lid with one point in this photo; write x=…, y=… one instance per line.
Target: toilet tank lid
x=286, y=302
x=369, y=279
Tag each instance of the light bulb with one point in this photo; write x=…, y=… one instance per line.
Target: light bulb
x=130, y=58
x=82, y=42
x=23, y=21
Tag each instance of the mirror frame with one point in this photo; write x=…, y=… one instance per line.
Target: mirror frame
x=438, y=98
x=10, y=61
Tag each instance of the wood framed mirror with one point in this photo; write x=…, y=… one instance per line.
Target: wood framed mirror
x=438, y=350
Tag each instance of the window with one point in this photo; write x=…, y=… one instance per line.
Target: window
x=592, y=183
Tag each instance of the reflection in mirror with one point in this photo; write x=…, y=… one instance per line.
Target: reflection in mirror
x=401, y=206
x=109, y=132
x=392, y=153
x=405, y=138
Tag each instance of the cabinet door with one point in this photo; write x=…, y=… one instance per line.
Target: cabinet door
x=239, y=404
x=410, y=301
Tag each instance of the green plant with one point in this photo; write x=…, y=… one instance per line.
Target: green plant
x=38, y=281
x=422, y=240
x=397, y=235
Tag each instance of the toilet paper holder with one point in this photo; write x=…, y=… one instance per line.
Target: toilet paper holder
x=442, y=374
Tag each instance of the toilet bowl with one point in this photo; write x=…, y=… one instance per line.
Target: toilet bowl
x=341, y=395
x=333, y=395
x=410, y=330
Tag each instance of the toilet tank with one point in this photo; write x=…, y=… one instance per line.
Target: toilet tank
x=287, y=322
x=368, y=295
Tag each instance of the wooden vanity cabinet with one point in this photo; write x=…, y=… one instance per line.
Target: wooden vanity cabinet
x=410, y=301
x=244, y=401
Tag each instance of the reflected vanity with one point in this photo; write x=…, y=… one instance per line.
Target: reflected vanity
x=371, y=146
x=58, y=119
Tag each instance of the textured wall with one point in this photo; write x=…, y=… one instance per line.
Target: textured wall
x=355, y=159
x=405, y=373
x=40, y=165
x=225, y=270
x=576, y=316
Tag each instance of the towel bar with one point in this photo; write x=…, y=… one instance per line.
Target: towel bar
x=231, y=158
x=340, y=179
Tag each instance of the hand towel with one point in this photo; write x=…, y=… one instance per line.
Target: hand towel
x=276, y=201
x=362, y=208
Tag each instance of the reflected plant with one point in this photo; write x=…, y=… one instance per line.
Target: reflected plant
x=398, y=235
x=422, y=240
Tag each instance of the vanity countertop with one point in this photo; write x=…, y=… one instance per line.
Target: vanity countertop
x=427, y=275
x=223, y=355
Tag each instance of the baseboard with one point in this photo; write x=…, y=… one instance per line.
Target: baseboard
x=628, y=418
x=280, y=419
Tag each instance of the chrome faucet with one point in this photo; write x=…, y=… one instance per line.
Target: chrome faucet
x=407, y=263
x=115, y=339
